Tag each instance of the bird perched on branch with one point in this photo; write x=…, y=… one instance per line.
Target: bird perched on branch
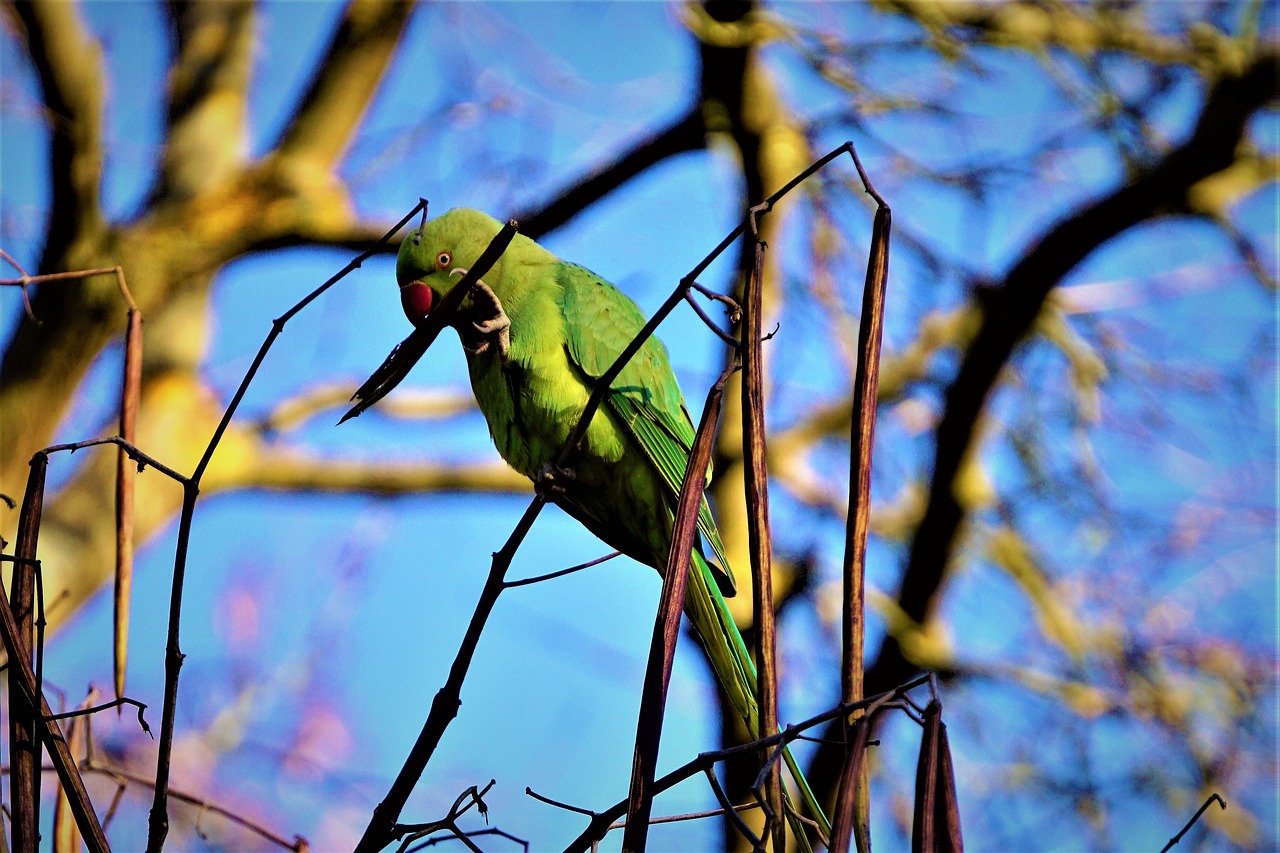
x=538, y=332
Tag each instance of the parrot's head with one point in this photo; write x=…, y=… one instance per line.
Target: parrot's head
x=435, y=257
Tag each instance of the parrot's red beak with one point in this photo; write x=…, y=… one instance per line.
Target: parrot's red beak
x=416, y=299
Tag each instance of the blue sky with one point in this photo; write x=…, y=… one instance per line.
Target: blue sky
x=307, y=609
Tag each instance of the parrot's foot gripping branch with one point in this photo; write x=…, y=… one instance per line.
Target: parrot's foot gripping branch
x=550, y=482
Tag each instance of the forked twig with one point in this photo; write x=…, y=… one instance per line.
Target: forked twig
x=642, y=783
x=158, y=822
x=561, y=572
x=601, y=821
x=123, y=778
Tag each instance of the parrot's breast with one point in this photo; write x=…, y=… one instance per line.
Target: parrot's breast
x=532, y=400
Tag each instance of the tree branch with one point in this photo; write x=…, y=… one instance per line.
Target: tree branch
x=207, y=96
x=1008, y=311
x=686, y=134
x=345, y=80
x=68, y=61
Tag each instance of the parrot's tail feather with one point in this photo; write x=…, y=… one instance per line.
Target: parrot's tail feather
x=732, y=663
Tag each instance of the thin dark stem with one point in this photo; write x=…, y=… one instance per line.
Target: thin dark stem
x=1195, y=817
x=759, y=536
x=600, y=823
x=540, y=798
x=666, y=629
x=561, y=573
x=114, y=703
x=444, y=707
x=680, y=818
x=158, y=823
x=277, y=326
x=727, y=806
x=710, y=324
x=143, y=460
x=22, y=679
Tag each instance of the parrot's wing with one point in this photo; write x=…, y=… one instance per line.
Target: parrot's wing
x=602, y=320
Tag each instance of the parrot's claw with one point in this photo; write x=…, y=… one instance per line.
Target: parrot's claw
x=550, y=482
x=495, y=325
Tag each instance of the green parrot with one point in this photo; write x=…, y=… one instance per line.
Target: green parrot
x=537, y=332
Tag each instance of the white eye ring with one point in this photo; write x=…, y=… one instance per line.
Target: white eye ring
x=443, y=260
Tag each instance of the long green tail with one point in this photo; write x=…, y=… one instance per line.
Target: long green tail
x=730, y=659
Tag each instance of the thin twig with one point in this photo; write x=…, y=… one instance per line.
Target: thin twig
x=1195, y=817
x=710, y=324
x=138, y=456
x=444, y=707
x=492, y=830
x=759, y=536
x=158, y=823
x=123, y=777
x=414, y=832
x=114, y=703
x=543, y=799
x=561, y=573
x=677, y=818
x=602, y=820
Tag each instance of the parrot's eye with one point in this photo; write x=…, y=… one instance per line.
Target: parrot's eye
x=443, y=260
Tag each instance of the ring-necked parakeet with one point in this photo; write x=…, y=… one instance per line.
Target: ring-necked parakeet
x=537, y=332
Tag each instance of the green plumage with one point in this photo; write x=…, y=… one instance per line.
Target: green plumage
x=532, y=380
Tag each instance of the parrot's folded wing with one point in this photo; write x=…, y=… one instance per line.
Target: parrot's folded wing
x=601, y=321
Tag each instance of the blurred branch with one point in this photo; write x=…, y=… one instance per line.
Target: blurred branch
x=296, y=472
x=1079, y=28
x=344, y=82
x=686, y=134
x=424, y=405
x=1009, y=311
x=69, y=64
x=123, y=777
x=204, y=141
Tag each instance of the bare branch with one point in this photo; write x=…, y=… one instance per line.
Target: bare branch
x=685, y=134
x=416, y=405
x=122, y=776
x=1010, y=309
